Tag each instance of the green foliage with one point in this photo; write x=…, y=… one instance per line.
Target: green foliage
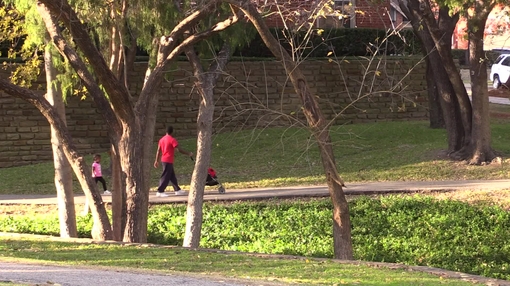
x=11, y=31
x=31, y=224
x=274, y=227
x=412, y=230
x=237, y=36
x=424, y=231
x=14, y=39
x=342, y=42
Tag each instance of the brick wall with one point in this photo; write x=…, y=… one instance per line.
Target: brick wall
x=369, y=14
x=375, y=14
x=249, y=94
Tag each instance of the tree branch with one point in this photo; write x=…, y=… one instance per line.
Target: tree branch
x=81, y=69
x=117, y=92
x=167, y=45
x=193, y=39
x=148, y=90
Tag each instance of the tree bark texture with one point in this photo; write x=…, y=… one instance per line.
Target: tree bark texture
x=118, y=197
x=440, y=31
x=481, y=140
x=133, y=151
x=205, y=83
x=440, y=81
x=320, y=129
x=435, y=34
x=102, y=227
x=63, y=171
x=138, y=144
x=435, y=112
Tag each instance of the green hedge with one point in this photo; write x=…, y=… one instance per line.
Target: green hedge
x=461, y=56
x=342, y=42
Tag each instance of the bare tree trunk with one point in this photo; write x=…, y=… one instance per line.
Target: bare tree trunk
x=436, y=118
x=119, y=65
x=118, y=197
x=441, y=33
x=320, y=129
x=205, y=82
x=450, y=106
x=63, y=171
x=480, y=147
x=448, y=103
x=133, y=149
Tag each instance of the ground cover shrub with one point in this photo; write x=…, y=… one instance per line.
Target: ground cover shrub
x=441, y=233
x=414, y=230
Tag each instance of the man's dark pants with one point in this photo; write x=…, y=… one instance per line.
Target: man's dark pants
x=167, y=176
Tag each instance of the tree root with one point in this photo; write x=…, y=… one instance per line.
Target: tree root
x=474, y=157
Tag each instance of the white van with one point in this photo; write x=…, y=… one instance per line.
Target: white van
x=500, y=71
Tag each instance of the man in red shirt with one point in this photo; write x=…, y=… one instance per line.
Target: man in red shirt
x=166, y=147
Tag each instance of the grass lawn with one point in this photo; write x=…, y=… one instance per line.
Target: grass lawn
x=383, y=151
x=263, y=268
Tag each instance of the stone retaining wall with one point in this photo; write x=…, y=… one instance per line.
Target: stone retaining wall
x=248, y=94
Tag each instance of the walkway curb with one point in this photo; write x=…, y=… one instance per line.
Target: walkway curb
x=369, y=188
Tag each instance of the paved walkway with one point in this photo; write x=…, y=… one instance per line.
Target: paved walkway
x=302, y=191
x=499, y=100
x=79, y=275
x=62, y=275
x=37, y=274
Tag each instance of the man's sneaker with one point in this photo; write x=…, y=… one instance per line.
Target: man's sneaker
x=107, y=192
x=181, y=193
x=162, y=195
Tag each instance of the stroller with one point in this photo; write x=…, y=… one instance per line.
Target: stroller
x=212, y=180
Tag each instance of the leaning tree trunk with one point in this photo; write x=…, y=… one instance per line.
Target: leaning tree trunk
x=440, y=30
x=479, y=150
x=449, y=103
x=101, y=229
x=63, y=171
x=447, y=99
x=319, y=126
